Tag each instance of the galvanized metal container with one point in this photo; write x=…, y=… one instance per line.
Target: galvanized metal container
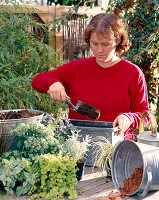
x=148, y=137
x=94, y=129
x=129, y=155
x=6, y=140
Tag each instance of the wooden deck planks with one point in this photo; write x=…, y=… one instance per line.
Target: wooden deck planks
x=96, y=186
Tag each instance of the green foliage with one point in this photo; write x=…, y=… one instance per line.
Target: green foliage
x=75, y=146
x=72, y=2
x=52, y=148
x=71, y=143
x=35, y=139
x=102, y=153
x=23, y=54
x=141, y=18
x=55, y=177
x=61, y=127
x=15, y=173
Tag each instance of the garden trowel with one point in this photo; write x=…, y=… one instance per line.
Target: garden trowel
x=85, y=109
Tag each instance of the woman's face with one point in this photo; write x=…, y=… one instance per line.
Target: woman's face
x=103, y=48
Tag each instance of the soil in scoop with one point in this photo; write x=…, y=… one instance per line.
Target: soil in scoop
x=17, y=114
x=89, y=111
x=132, y=184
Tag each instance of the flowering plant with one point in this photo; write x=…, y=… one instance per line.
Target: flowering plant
x=51, y=150
x=51, y=135
x=70, y=140
x=35, y=139
x=61, y=127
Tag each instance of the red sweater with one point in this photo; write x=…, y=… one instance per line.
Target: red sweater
x=114, y=90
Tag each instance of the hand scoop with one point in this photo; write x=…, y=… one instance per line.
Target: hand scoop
x=85, y=109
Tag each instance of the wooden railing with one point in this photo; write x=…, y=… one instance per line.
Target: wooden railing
x=48, y=13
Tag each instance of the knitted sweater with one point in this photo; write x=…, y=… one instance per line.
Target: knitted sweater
x=119, y=89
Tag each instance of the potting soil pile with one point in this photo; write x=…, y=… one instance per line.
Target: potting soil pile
x=89, y=111
x=130, y=186
x=132, y=183
x=17, y=114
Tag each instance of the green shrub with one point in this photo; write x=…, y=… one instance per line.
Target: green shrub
x=15, y=173
x=141, y=18
x=55, y=177
x=23, y=54
x=35, y=139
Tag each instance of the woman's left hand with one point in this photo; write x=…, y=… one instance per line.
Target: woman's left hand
x=123, y=123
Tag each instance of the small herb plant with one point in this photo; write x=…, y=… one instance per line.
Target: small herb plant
x=15, y=173
x=35, y=139
x=75, y=146
x=72, y=143
x=102, y=152
x=55, y=177
x=61, y=127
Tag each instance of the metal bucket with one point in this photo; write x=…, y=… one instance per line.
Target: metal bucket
x=127, y=156
x=6, y=140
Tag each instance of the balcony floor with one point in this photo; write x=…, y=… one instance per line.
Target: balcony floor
x=95, y=186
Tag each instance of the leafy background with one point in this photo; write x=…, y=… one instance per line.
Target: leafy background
x=142, y=21
x=23, y=54
x=24, y=50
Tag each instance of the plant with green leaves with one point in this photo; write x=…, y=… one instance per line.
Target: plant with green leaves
x=76, y=146
x=72, y=2
x=15, y=173
x=23, y=54
x=102, y=153
x=141, y=18
x=61, y=127
x=71, y=142
x=35, y=139
x=55, y=177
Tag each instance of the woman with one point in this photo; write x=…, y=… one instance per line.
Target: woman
x=114, y=85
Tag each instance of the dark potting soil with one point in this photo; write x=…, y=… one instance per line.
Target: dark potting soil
x=18, y=114
x=89, y=111
x=132, y=183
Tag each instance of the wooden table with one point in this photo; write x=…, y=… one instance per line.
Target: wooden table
x=95, y=186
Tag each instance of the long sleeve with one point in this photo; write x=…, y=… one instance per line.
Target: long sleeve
x=63, y=74
x=120, y=89
x=139, y=102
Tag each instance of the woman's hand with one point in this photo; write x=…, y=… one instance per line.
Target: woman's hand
x=57, y=92
x=123, y=122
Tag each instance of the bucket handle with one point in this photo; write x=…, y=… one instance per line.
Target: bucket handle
x=149, y=181
x=153, y=123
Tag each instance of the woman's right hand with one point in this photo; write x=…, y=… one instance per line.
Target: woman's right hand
x=57, y=92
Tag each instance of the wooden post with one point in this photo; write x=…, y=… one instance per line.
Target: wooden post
x=49, y=13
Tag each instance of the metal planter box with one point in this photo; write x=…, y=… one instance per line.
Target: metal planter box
x=97, y=128
x=6, y=140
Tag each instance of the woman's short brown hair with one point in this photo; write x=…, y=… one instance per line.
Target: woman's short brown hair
x=107, y=25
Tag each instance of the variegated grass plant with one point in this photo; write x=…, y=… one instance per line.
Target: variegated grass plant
x=102, y=154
